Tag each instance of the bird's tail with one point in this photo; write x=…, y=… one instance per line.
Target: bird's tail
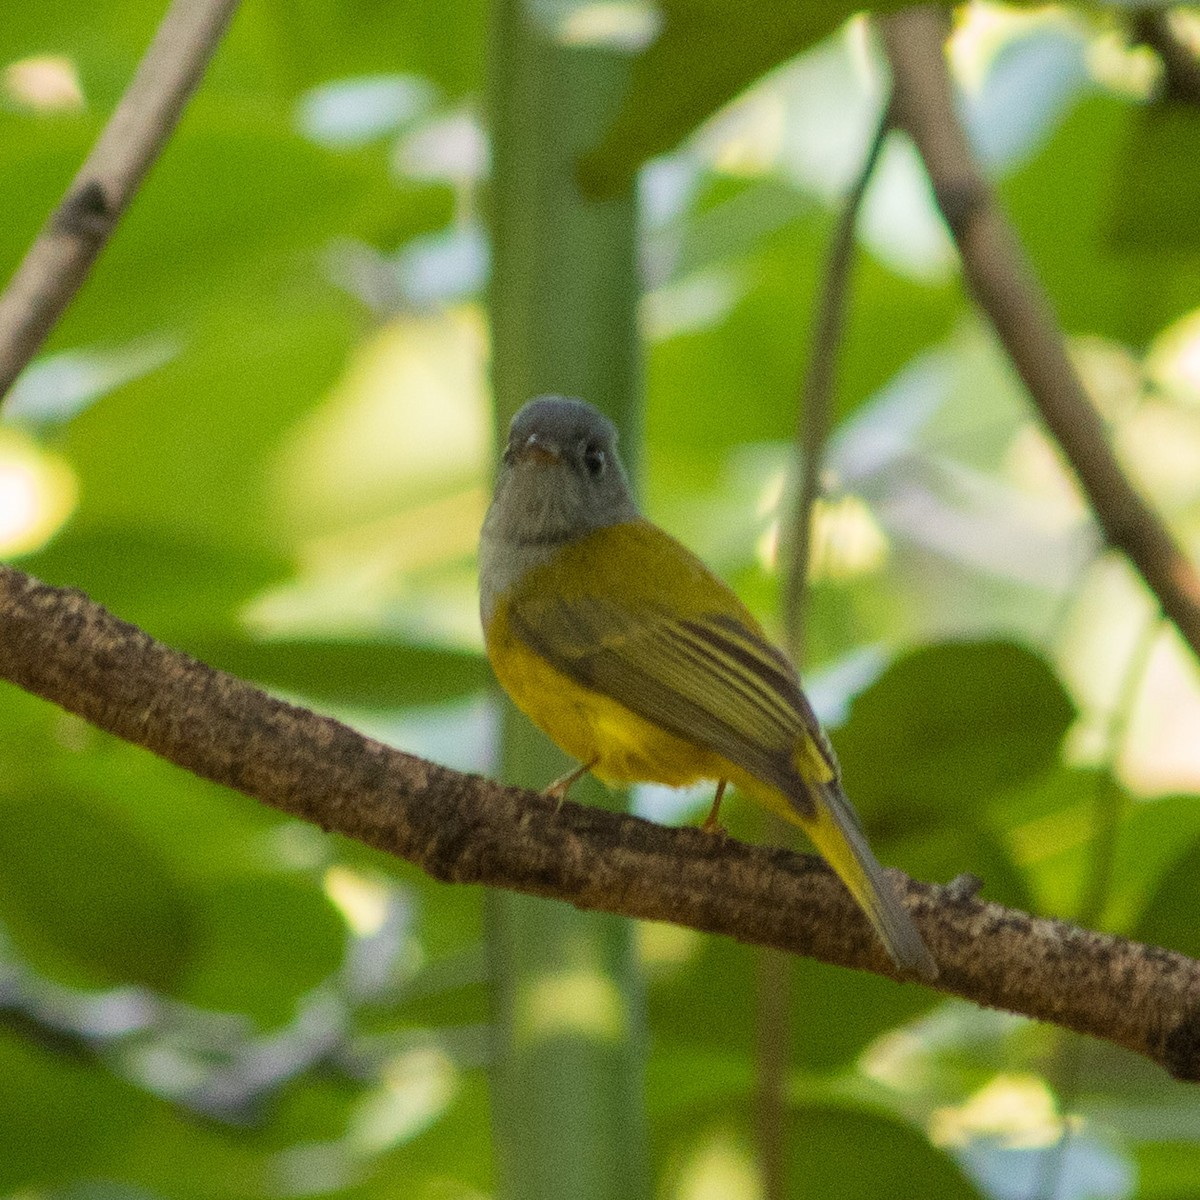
x=836, y=833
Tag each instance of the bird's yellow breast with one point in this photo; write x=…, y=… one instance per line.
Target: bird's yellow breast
x=639, y=568
x=590, y=726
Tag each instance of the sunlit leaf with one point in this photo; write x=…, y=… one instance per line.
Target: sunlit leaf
x=705, y=55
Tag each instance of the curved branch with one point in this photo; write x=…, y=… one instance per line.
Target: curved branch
x=79, y=228
x=772, y=974
x=816, y=392
x=460, y=828
x=1004, y=284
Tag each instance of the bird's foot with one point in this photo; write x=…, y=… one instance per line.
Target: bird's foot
x=560, y=787
x=712, y=823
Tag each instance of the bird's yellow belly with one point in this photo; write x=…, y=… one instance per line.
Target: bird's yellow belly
x=591, y=727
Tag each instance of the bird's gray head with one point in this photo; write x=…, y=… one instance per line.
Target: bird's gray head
x=561, y=477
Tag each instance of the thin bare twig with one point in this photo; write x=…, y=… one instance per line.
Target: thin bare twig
x=59, y=260
x=816, y=392
x=772, y=1059
x=58, y=644
x=773, y=970
x=1109, y=802
x=1003, y=282
x=1108, y=805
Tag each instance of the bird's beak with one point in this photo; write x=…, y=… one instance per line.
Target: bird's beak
x=535, y=449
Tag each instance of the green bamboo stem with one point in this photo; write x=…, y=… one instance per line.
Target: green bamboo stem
x=568, y=1110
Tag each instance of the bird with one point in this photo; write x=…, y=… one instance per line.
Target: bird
x=642, y=665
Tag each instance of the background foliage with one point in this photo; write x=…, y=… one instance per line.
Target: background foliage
x=263, y=433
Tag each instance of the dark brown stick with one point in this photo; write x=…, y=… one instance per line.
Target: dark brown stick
x=1003, y=282
x=1181, y=68
x=78, y=229
x=463, y=829
x=773, y=970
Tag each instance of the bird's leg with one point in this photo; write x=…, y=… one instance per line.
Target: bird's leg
x=560, y=787
x=711, y=823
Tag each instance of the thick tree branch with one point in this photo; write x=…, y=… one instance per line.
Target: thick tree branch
x=1003, y=282
x=463, y=829
x=58, y=261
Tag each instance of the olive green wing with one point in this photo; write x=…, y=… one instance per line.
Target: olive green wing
x=710, y=679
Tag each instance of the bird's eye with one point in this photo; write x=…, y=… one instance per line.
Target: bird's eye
x=594, y=459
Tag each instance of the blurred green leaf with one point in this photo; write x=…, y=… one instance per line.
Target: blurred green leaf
x=704, y=56
x=946, y=726
x=367, y=674
x=178, y=586
x=833, y=1151
x=706, y=1001
x=312, y=1107
x=1169, y=918
x=707, y=1005
x=941, y=853
x=1155, y=837
x=86, y=899
x=171, y=1153
x=451, y=917
x=1093, y=289
x=1049, y=825
x=320, y=41
x=240, y=204
x=682, y=1079
x=101, y=1189
x=448, y=991
x=194, y=234
x=450, y=1157
x=1156, y=183
x=729, y=219
x=262, y=942
x=107, y=38
x=245, y=377
x=1166, y=1169
x=837, y=1014
x=61, y=1116
x=44, y=153
x=847, y=1153
x=753, y=358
